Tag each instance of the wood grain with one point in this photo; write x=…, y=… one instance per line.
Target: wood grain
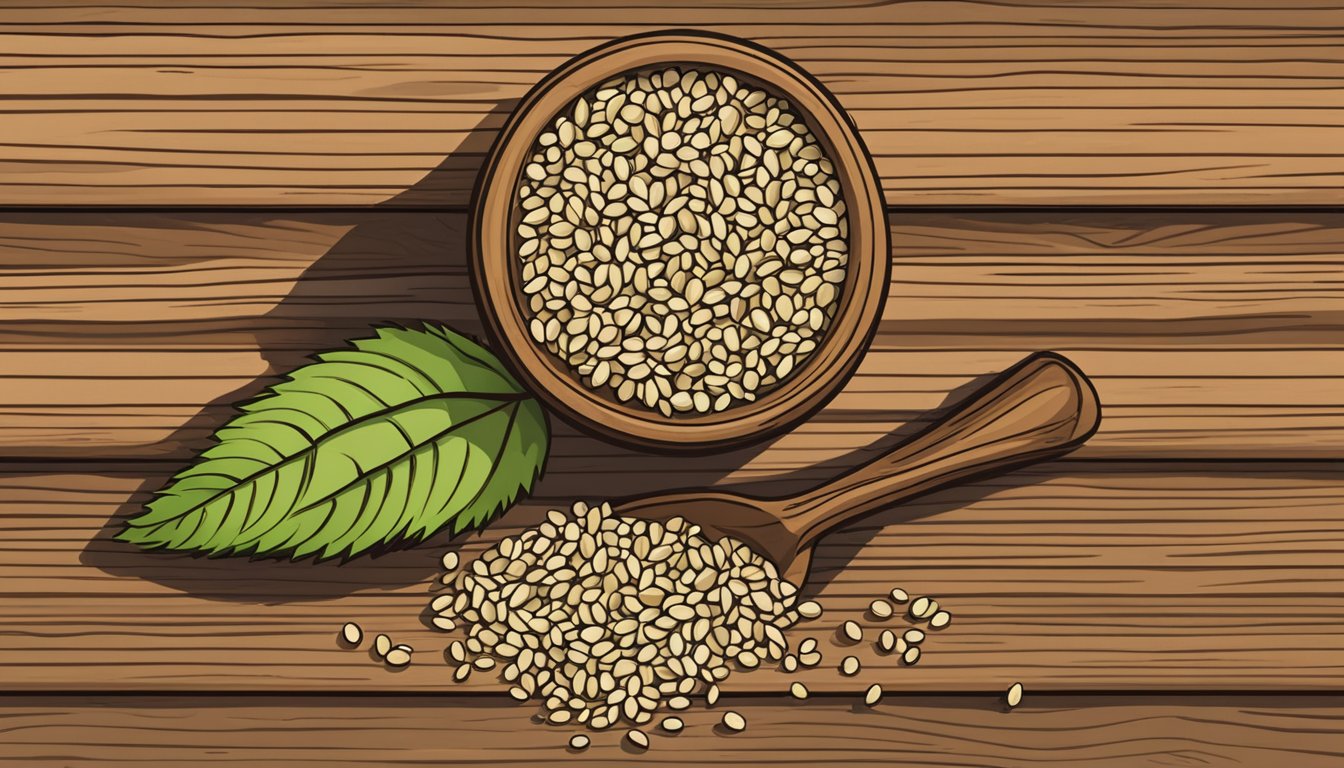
x=1207, y=334
x=919, y=732
x=327, y=103
x=1075, y=576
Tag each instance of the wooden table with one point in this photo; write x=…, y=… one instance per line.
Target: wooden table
x=195, y=199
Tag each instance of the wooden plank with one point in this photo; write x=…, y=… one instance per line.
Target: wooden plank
x=1208, y=334
x=1077, y=576
x=1110, y=732
x=328, y=103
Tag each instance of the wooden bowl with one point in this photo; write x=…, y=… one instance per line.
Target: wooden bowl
x=496, y=269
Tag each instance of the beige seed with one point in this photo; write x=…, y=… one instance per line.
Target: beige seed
x=638, y=738
x=450, y=561
x=873, y=695
x=900, y=596
x=579, y=741
x=913, y=636
x=850, y=666
x=880, y=609
x=923, y=607
x=809, y=609
x=940, y=619
x=672, y=724
x=712, y=695
x=399, y=656
x=886, y=641
x=734, y=722
x=911, y=656
x=798, y=691
x=679, y=702
x=382, y=644
x=351, y=633
x=852, y=631
x=1014, y=695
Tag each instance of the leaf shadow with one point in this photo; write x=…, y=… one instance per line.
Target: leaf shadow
x=402, y=261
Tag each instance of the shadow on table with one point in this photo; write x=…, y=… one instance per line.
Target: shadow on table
x=388, y=265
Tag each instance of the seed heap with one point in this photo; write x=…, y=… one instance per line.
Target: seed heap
x=683, y=240
x=604, y=618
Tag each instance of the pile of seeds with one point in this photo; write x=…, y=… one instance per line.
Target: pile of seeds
x=683, y=240
x=607, y=620
x=604, y=618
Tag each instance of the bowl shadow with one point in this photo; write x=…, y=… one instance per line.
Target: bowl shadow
x=404, y=262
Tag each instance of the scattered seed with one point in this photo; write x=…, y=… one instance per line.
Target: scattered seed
x=913, y=636
x=810, y=609
x=873, y=695
x=450, y=561
x=900, y=596
x=886, y=641
x=382, y=644
x=579, y=741
x=1014, y=694
x=849, y=666
x=880, y=609
x=733, y=721
x=351, y=633
x=940, y=619
x=399, y=656
x=923, y=608
x=852, y=631
x=712, y=695
x=798, y=691
x=911, y=656
x=672, y=724
x=679, y=702
x=638, y=738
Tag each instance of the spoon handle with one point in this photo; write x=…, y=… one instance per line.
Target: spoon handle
x=1041, y=408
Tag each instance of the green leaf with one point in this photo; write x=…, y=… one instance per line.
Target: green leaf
x=394, y=439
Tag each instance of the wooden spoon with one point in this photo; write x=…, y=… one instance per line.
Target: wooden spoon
x=1041, y=408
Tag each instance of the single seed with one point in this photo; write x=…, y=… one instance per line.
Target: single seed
x=712, y=695
x=399, y=656
x=880, y=609
x=638, y=738
x=1014, y=694
x=923, y=608
x=798, y=691
x=672, y=724
x=810, y=609
x=886, y=641
x=900, y=596
x=911, y=656
x=940, y=619
x=852, y=631
x=381, y=645
x=734, y=722
x=351, y=633
x=873, y=695
x=450, y=561
x=850, y=666
x=579, y=741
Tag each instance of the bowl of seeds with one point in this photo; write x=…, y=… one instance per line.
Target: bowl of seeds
x=679, y=242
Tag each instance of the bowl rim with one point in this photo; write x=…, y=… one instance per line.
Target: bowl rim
x=494, y=274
